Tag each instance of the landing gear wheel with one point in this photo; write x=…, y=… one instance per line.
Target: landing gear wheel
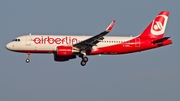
x=27, y=60
x=28, y=56
x=83, y=63
x=85, y=59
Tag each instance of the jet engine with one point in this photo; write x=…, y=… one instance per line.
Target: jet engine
x=64, y=50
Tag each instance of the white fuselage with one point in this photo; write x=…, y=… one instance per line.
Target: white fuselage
x=48, y=43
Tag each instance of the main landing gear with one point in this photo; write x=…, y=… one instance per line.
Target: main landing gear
x=84, y=58
x=28, y=56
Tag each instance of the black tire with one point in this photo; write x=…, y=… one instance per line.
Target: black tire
x=85, y=59
x=83, y=63
x=27, y=60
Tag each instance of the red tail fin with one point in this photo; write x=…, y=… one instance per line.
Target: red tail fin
x=157, y=27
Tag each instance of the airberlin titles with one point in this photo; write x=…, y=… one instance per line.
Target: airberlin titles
x=52, y=40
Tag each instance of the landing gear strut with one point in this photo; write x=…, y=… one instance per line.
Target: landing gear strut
x=28, y=56
x=84, y=58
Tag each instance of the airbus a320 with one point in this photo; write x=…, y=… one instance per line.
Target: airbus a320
x=66, y=47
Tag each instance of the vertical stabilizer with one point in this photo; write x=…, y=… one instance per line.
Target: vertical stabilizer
x=157, y=27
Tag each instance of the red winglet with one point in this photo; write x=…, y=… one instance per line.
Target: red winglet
x=109, y=28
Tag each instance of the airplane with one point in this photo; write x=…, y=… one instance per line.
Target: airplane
x=66, y=47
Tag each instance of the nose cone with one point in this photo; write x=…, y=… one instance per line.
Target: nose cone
x=8, y=46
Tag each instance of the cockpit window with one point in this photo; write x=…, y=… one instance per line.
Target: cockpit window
x=16, y=40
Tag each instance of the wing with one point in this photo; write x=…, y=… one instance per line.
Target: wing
x=90, y=42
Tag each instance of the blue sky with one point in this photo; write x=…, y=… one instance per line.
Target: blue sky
x=151, y=75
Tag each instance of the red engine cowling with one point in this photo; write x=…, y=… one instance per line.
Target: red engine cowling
x=64, y=50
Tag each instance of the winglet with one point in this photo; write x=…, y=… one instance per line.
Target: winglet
x=109, y=28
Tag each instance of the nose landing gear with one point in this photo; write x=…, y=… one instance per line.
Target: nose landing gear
x=28, y=56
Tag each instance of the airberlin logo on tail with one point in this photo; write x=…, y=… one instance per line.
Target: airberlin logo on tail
x=51, y=40
x=159, y=25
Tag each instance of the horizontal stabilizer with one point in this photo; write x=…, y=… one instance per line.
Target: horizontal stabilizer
x=160, y=40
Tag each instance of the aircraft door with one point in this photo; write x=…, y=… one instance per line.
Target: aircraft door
x=28, y=40
x=137, y=42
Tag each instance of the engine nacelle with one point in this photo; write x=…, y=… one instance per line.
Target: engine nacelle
x=64, y=50
x=63, y=58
